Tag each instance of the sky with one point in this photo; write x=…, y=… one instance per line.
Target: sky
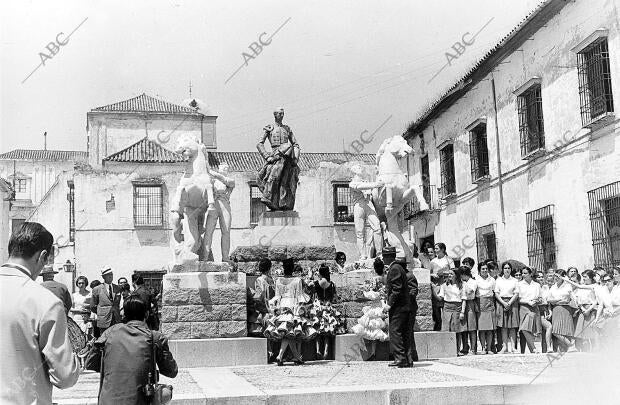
x=338, y=68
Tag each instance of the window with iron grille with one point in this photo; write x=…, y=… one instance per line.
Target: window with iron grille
x=479, y=152
x=541, y=249
x=256, y=206
x=21, y=185
x=605, y=223
x=343, y=204
x=594, y=81
x=148, y=208
x=531, y=126
x=486, y=243
x=71, y=199
x=446, y=161
x=426, y=178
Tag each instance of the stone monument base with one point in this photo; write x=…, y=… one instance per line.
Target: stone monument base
x=204, y=300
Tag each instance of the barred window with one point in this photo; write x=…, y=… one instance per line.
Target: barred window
x=148, y=209
x=446, y=161
x=256, y=206
x=479, y=152
x=541, y=249
x=486, y=243
x=594, y=81
x=531, y=126
x=605, y=223
x=343, y=204
x=21, y=185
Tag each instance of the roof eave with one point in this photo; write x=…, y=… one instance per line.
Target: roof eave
x=483, y=67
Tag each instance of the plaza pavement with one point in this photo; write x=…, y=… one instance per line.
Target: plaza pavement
x=481, y=379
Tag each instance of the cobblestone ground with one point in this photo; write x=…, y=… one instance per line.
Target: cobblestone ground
x=528, y=365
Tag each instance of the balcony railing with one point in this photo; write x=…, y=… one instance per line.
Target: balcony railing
x=412, y=208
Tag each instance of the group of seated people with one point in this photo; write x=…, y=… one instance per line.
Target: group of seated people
x=498, y=304
x=292, y=310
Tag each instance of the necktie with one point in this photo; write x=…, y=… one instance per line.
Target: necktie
x=110, y=290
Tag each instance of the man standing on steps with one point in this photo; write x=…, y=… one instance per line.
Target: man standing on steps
x=398, y=307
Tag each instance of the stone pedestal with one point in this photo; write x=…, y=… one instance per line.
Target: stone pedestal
x=204, y=300
x=284, y=228
x=278, y=236
x=352, y=299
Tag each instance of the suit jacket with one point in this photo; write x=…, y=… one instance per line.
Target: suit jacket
x=127, y=360
x=397, y=288
x=412, y=283
x=106, y=307
x=61, y=291
x=35, y=349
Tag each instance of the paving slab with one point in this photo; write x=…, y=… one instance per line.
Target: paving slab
x=469, y=379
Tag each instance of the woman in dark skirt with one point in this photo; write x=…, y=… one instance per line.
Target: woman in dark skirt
x=507, y=310
x=469, y=309
x=450, y=294
x=587, y=304
x=559, y=298
x=487, y=321
x=529, y=317
x=328, y=321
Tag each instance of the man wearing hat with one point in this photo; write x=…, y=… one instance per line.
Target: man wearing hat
x=58, y=289
x=105, y=301
x=398, y=308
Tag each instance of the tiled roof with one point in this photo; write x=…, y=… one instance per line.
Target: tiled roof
x=145, y=103
x=40, y=154
x=253, y=161
x=528, y=25
x=145, y=151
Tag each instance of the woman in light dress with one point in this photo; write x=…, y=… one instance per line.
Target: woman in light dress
x=80, y=311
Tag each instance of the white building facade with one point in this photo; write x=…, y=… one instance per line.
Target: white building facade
x=521, y=157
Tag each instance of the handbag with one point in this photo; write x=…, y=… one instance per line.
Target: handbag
x=155, y=393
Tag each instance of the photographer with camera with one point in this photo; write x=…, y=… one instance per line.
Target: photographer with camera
x=132, y=353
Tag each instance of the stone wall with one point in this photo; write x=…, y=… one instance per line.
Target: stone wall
x=200, y=305
x=246, y=258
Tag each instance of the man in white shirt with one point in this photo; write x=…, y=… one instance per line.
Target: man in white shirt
x=35, y=348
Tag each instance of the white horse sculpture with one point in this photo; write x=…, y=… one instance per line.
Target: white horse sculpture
x=396, y=190
x=193, y=197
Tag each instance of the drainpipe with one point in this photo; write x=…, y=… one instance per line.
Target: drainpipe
x=499, y=159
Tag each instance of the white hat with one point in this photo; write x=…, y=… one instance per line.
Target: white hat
x=106, y=270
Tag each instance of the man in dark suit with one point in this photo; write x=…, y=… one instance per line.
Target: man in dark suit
x=397, y=307
x=140, y=290
x=105, y=301
x=412, y=283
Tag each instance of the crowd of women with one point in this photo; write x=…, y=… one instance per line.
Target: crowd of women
x=511, y=305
